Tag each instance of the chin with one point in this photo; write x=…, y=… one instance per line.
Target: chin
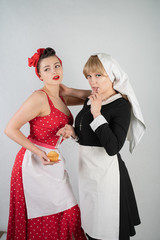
x=57, y=82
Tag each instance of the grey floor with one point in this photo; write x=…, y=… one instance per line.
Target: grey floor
x=3, y=237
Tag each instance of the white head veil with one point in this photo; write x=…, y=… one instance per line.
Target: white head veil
x=121, y=84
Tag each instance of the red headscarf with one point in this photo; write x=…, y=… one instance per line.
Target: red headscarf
x=35, y=58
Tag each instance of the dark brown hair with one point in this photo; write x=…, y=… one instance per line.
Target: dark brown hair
x=48, y=52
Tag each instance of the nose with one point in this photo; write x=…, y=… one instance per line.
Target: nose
x=54, y=70
x=93, y=79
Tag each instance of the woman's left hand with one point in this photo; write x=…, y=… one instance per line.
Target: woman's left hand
x=96, y=104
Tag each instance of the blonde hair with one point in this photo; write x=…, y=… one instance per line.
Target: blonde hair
x=94, y=65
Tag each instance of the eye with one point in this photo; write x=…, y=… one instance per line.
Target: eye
x=46, y=69
x=88, y=76
x=57, y=66
x=98, y=75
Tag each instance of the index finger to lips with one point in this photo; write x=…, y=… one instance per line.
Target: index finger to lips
x=97, y=95
x=92, y=96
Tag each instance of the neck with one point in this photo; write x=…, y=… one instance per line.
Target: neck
x=107, y=95
x=52, y=90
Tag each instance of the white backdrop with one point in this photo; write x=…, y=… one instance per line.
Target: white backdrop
x=130, y=32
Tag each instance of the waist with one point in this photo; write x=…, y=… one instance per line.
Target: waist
x=95, y=160
x=42, y=144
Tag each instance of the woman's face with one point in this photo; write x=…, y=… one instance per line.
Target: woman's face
x=99, y=83
x=51, y=71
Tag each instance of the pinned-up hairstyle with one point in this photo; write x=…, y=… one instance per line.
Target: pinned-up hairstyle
x=41, y=53
x=48, y=52
x=94, y=65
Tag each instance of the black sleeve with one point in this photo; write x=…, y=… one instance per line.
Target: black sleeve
x=77, y=140
x=112, y=135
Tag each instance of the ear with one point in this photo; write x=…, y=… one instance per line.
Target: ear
x=40, y=77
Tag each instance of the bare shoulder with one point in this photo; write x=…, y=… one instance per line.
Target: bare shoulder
x=33, y=106
x=38, y=96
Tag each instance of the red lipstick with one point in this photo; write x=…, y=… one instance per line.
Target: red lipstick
x=56, y=77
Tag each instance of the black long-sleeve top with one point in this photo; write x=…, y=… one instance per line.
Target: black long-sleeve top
x=111, y=134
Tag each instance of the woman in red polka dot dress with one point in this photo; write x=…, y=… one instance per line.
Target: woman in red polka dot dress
x=42, y=205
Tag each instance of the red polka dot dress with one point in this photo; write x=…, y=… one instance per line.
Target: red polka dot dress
x=60, y=226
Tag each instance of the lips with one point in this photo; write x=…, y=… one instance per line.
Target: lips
x=95, y=89
x=56, y=77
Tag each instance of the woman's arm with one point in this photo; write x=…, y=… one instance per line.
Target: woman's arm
x=112, y=135
x=31, y=108
x=73, y=96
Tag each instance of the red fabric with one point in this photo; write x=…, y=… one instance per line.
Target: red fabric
x=35, y=58
x=33, y=61
x=44, y=129
x=57, y=226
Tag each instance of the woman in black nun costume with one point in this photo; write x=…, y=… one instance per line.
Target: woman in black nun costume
x=109, y=116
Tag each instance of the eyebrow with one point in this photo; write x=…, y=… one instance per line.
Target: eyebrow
x=49, y=65
x=46, y=66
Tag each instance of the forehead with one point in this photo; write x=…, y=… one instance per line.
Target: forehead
x=49, y=61
x=93, y=73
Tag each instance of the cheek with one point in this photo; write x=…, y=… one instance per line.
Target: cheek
x=103, y=86
x=60, y=73
x=107, y=82
x=60, y=70
x=41, y=75
x=89, y=82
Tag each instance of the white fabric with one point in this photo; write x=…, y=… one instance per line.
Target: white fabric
x=121, y=84
x=108, y=100
x=99, y=193
x=46, y=188
x=98, y=121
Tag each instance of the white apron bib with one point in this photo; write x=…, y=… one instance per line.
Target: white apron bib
x=99, y=193
x=46, y=188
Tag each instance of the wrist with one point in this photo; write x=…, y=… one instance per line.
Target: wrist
x=95, y=115
x=38, y=151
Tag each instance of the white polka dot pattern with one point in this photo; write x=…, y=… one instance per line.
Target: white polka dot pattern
x=58, y=226
x=44, y=129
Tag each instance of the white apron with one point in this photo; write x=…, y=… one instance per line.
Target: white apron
x=46, y=188
x=99, y=193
